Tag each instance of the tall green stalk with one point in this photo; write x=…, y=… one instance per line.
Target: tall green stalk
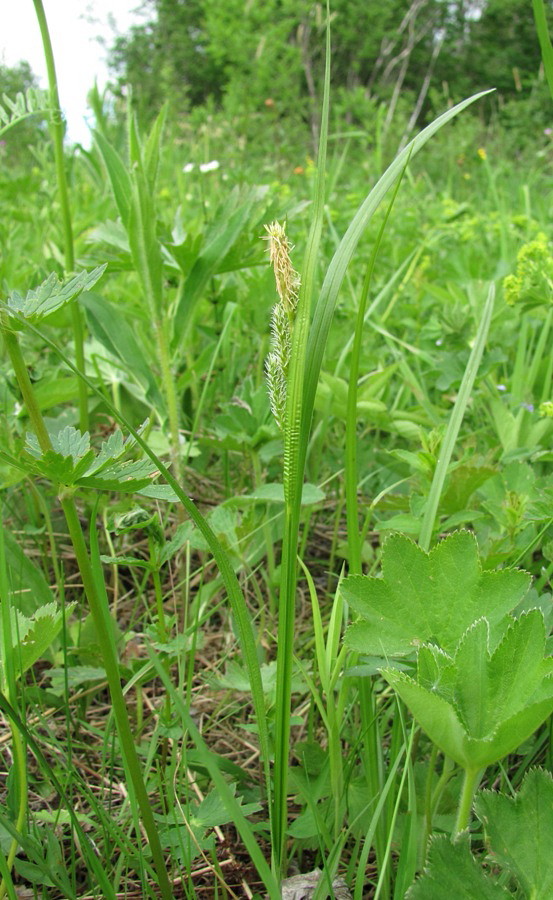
x=100, y=616
x=295, y=445
x=56, y=130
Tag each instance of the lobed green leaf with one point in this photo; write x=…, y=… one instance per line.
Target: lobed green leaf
x=52, y=294
x=424, y=597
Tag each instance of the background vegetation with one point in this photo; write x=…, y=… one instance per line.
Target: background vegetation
x=188, y=711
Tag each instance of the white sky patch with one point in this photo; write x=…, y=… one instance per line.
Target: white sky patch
x=75, y=26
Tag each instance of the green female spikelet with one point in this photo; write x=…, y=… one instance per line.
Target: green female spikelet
x=287, y=285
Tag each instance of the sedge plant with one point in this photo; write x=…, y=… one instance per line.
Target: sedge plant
x=300, y=374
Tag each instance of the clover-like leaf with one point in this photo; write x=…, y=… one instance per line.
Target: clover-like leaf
x=479, y=706
x=424, y=597
x=520, y=832
x=52, y=294
x=452, y=872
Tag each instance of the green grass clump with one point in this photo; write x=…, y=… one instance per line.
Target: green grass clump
x=276, y=558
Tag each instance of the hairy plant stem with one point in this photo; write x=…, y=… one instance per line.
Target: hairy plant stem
x=100, y=617
x=170, y=393
x=471, y=780
x=56, y=130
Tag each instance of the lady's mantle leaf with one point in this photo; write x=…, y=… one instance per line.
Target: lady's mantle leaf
x=426, y=597
x=453, y=872
x=520, y=832
x=477, y=706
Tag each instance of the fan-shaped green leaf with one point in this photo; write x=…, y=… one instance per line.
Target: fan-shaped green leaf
x=453, y=872
x=425, y=597
x=478, y=707
x=520, y=832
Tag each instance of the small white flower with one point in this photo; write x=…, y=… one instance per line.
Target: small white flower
x=210, y=166
x=439, y=342
x=501, y=387
x=17, y=408
x=187, y=168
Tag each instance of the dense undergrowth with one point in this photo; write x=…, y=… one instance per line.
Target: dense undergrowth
x=165, y=562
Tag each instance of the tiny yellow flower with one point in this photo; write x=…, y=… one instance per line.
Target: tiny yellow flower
x=482, y=153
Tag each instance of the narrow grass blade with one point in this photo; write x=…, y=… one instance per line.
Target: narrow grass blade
x=352, y=506
x=87, y=850
x=209, y=759
x=446, y=450
x=234, y=592
x=369, y=836
x=545, y=41
x=324, y=310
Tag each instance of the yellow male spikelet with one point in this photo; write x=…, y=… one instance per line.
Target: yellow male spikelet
x=287, y=285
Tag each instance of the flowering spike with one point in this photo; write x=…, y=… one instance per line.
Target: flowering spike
x=287, y=285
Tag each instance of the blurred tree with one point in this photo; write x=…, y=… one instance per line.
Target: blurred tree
x=243, y=53
x=490, y=43
x=168, y=57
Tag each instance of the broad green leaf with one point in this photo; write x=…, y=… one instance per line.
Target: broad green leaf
x=52, y=294
x=183, y=533
x=159, y=492
x=43, y=629
x=27, y=583
x=425, y=597
x=228, y=226
x=56, y=392
x=213, y=811
x=479, y=706
x=32, y=636
x=453, y=872
x=75, y=676
x=520, y=832
x=126, y=477
x=274, y=493
x=112, y=330
x=118, y=175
